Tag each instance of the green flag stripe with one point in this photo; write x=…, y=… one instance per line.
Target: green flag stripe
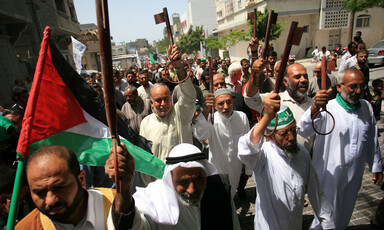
x=95, y=151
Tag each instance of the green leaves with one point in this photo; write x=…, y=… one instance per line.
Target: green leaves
x=190, y=41
x=262, y=20
x=360, y=5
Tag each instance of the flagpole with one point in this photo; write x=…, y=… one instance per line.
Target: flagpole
x=16, y=194
x=25, y=133
x=107, y=74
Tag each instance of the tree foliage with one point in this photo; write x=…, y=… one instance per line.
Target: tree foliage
x=360, y=5
x=162, y=45
x=227, y=40
x=262, y=20
x=190, y=41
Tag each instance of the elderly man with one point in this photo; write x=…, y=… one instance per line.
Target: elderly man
x=339, y=158
x=136, y=108
x=169, y=125
x=295, y=97
x=223, y=135
x=233, y=78
x=55, y=182
x=315, y=82
x=190, y=196
x=283, y=172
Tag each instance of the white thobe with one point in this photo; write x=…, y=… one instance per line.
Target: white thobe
x=281, y=184
x=343, y=61
x=257, y=102
x=166, y=133
x=145, y=93
x=339, y=158
x=223, y=137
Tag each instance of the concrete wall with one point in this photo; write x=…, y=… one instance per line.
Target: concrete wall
x=201, y=12
x=375, y=31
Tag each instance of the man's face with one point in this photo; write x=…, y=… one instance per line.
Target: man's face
x=285, y=139
x=54, y=190
x=351, y=87
x=297, y=84
x=360, y=46
x=130, y=96
x=189, y=184
x=352, y=51
x=161, y=101
x=143, y=79
x=165, y=74
x=272, y=59
x=15, y=120
x=23, y=99
x=245, y=66
x=362, y=58
x=224, y=105
x=276, y=70
x=131, y=78
x=218, y=82
x=317, y=70
x=202, y=64
x=223, y=65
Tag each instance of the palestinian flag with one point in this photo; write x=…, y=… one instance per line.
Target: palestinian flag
x=64, y=110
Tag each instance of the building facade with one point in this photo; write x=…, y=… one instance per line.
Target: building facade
x=324, y=23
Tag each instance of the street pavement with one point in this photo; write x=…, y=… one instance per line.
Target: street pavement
x=369, y=194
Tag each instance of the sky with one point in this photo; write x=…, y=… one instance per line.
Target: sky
x=131, y=19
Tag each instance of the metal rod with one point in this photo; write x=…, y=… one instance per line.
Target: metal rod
x=211, y=84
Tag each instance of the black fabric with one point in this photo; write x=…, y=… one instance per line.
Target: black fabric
x=91, y=101
x=123, y=221
x=216, y=209
x=190, y=157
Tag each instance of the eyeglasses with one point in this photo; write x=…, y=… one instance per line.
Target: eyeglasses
x=228, y=102
x=355, y=86
x=293, y=131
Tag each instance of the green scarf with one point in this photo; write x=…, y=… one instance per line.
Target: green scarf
x=347, y=105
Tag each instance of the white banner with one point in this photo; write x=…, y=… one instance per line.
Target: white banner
x=160, y=57
x=78, y=51
x=138, y=60
x=202, y=51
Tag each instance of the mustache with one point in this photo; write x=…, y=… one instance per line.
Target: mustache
x=56, y=205
x=302, y=84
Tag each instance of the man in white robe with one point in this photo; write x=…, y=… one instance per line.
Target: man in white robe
x=190, y=196
x=283, y=172
x=339, y=158
x=295, y=97
x=223, y=135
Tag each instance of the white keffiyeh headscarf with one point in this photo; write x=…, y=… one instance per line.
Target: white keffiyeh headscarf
x=159, y=199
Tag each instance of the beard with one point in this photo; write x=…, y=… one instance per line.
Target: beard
x=69, y=209
x=190, y=200
x=162, y=111
x=292, y=90
x=290, y=149
x=351, y=98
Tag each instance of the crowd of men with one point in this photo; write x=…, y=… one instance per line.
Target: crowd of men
x=209, y=157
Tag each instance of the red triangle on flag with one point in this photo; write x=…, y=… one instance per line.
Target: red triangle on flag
x=51, y=106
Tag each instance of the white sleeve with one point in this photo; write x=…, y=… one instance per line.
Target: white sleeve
x=249, y=153
x=202, y=128
x=256, y=102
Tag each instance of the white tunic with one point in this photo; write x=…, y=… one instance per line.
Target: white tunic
x=339, y=158
x=223, y=139
x=257, y=102
x=281, y=184
x=166, y=133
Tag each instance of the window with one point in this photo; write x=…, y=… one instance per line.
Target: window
x=305, y=29
x=363, y=21
x=229, y=7
x=60, y=5
x=238, y=4
x=219, y=14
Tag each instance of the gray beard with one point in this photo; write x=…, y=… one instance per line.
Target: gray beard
x=290, y=153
